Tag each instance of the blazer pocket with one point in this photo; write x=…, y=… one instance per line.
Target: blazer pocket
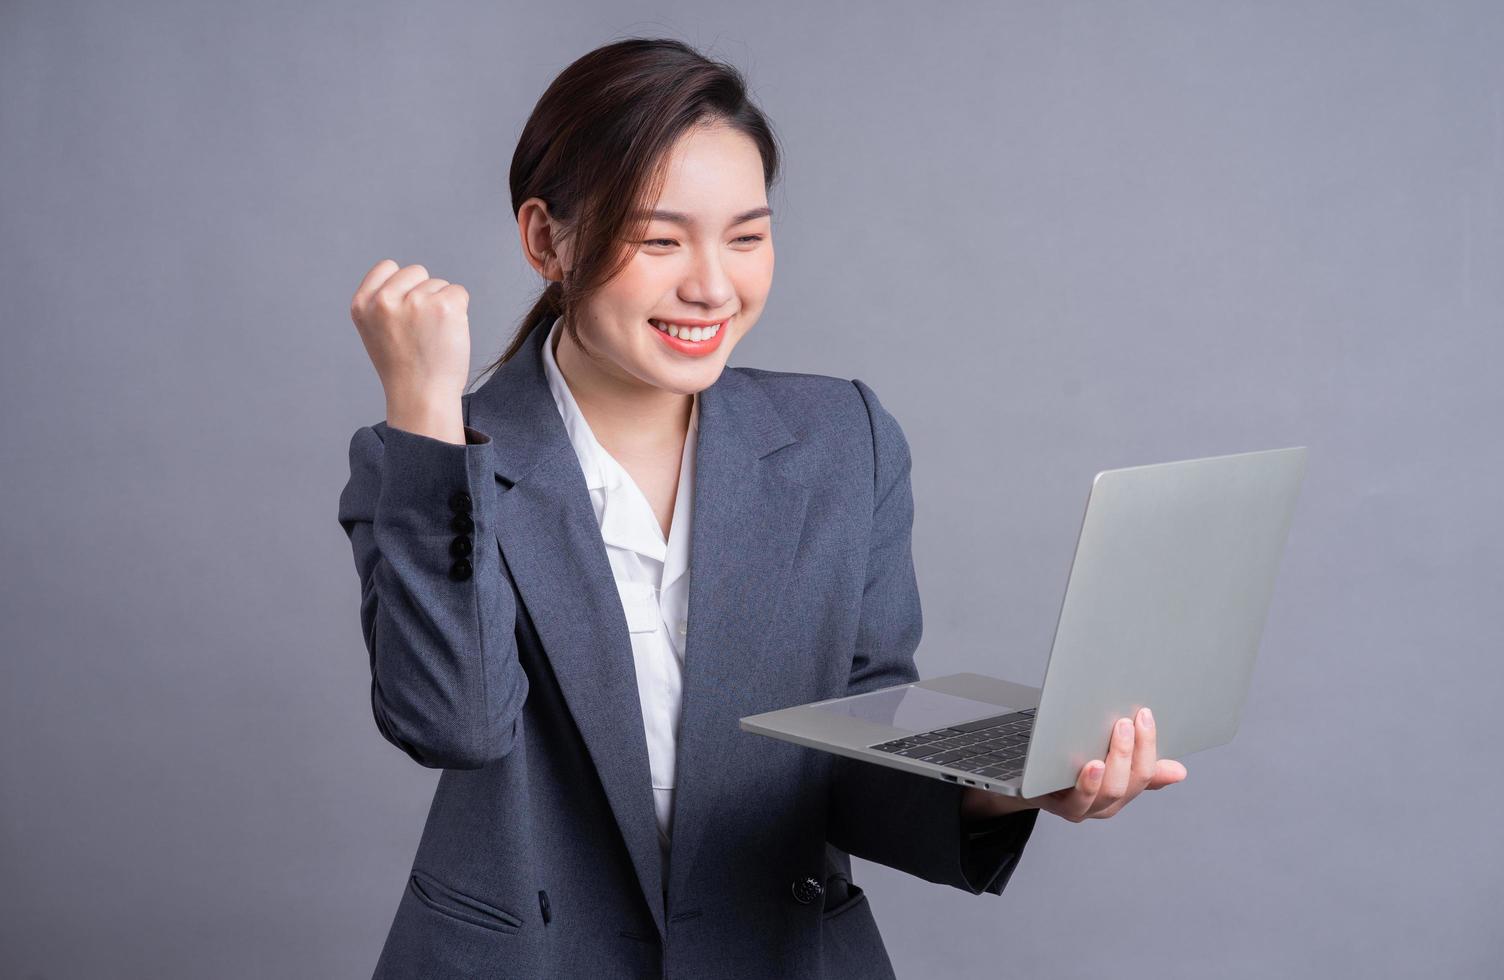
x=853, y=897
x=457, y=905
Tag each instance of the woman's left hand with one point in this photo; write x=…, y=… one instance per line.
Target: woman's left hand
x=1102, y=789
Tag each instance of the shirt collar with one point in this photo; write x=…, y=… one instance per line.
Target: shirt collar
x=592, y=455
x=623, y=523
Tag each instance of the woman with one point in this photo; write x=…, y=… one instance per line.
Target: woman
x=543, y=626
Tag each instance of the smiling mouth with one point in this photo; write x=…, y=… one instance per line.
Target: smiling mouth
x=691, y=334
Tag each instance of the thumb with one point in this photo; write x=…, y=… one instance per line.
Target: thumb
x=1166, y=773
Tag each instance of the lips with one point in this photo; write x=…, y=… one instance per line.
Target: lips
x=684, y=345
x=686, y=328
x=683, y=331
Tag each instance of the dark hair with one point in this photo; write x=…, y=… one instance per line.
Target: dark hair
x=595, y=150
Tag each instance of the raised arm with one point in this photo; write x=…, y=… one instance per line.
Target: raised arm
x=436, y=605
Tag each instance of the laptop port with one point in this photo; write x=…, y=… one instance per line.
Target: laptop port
x=948, y=776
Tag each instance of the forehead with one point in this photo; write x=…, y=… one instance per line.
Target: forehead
x=712, y=173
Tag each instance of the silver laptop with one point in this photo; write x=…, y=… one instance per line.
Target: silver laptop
x=1164, y=606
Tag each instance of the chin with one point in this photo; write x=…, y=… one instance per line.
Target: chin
x=703, y=377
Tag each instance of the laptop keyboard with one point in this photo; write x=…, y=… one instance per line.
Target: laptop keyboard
x=989, y=747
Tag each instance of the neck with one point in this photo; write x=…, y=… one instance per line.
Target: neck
x=627, y=417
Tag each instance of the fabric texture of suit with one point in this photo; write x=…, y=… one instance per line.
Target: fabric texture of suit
x=539, y=857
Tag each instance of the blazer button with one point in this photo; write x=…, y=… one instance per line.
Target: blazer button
x=460, y=547
x=807, y=889
x=460, y=502
x=462, y=523
x=460, y=570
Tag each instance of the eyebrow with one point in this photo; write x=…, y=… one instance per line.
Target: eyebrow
x=680, y=218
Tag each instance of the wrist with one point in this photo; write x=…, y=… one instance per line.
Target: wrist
x=436, y=418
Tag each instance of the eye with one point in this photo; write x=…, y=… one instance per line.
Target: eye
x=669, y=242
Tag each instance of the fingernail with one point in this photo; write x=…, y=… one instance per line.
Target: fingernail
x=1125, y=727
x=1095, y=772
x=1148, y=718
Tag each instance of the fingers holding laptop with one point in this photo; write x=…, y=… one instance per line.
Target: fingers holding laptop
x=1105, y=787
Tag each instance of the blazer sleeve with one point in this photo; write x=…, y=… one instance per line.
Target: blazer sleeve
x=436, y=606
x=895, y=818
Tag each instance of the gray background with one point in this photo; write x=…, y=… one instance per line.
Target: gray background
x=1054, y=237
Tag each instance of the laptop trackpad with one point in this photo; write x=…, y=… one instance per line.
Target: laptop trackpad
x=916, y=709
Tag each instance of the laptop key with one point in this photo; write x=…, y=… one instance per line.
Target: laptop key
x=972, y=726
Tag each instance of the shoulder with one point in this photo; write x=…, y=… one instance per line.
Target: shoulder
x=833, y=416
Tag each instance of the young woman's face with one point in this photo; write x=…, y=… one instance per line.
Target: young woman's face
x=707, y=256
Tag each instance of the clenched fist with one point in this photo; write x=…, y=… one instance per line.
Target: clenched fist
x=416, y=330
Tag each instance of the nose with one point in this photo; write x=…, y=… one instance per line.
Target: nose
x=706, y=283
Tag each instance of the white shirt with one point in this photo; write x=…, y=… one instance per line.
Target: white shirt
x=652, y=577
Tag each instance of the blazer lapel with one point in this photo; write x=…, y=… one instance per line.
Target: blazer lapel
x=747, y=522
x=748, y=519
x=554, y=552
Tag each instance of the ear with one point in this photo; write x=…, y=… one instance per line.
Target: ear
x=544, y=239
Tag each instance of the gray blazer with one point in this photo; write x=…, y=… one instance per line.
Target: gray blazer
x=499, y=653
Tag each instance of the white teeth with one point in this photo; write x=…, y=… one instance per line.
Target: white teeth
x=691, y=334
